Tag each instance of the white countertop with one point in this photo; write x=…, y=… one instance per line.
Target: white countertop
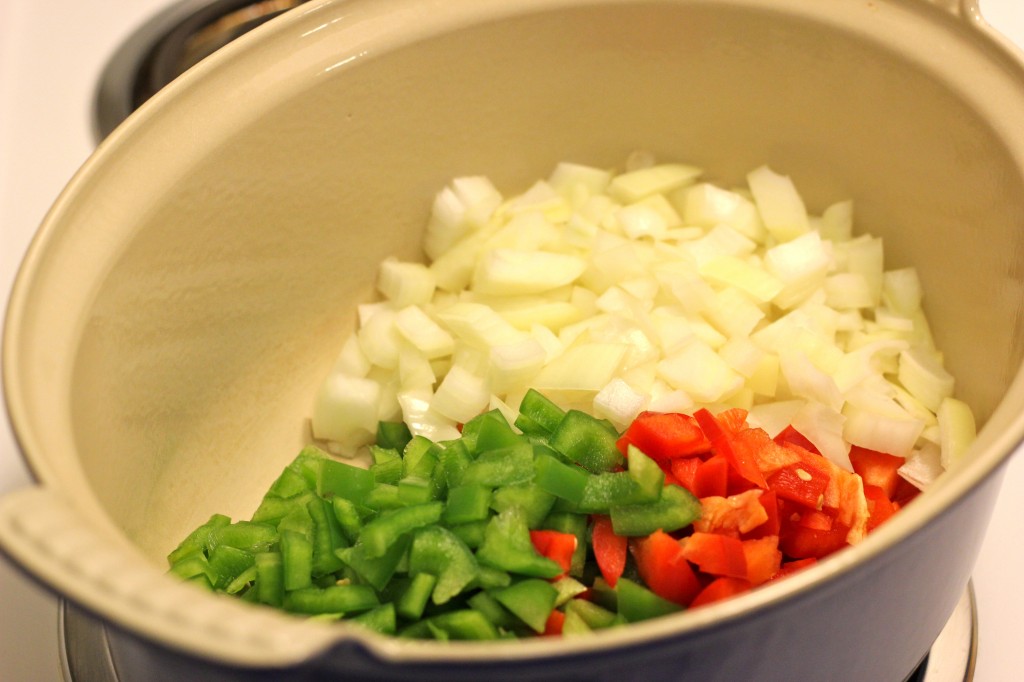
x=51, y=54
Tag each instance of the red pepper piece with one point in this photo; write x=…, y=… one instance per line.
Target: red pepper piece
x=664, y=569
x=791, y=435
x=740, y=458
x=877, y=468
x=732, y=420
x=771, y=526
x=555, y=545
x=763, y=559
x=609, y=550
x=800, y=483
x=684, y=469
x=664, y=436
x=553, y=626
x=880, y=507
x=711, y=477
x=720, y=589
x=716, y=554
x=816, y=520
x=799, y=542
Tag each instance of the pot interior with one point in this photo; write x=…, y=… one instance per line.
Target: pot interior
x=204, y=271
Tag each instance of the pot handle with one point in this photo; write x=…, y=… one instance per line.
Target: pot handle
x=45, y=535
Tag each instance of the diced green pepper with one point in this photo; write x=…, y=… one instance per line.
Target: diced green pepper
x=471, y=533
x=438, y=551
x=636, y=603
x=612, y=489
x=587, y=441
x=376, y=571
x=415, y=489
x=494, y=433
x=454, y=459
x=327, y=537
x=677, y=508
x=383, y=497
x=269, y=578
x=381, y=619
x=335, y=599
x=507, y=547
x=242, y=581
x=414, y=598
x=560, y=479
x=505, y=466
x=387, y=471
x=344, y=480
x=382, y=532
x=464, y=624
x=297, y=559
x=467, y=503
x=534, y=502
x=198, y=539
x=349, y=516
x=252, y=537
x=394, y=435
x=531, y=600
x=492, y=610
x=594, y=616
x=226, y=563
x=538, y=414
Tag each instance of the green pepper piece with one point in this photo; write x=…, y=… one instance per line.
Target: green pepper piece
x=350, y=517
x=574, y=625
x=507, y=547
x=455, y=458
x=334, y=599
x=645, y=472
x=420, y=457
x=307, y=464
x=297, y=560
x=193, y=565
x=377, y=571
x=298, y=519
x=289, y=484
x=505, y=466
x=637, y=603
x=568, y=588
x=327, y=537
x=563, y=480
x=226, y=563
x=538, y=415
x=492, y=610
x=414, y=598
x=531, y=600
x=494, y=433
x=198, y=539
x=438, y=551
x=338, y=479
x=534, y=502
x=273, y=508
x=677, y=508
x=387, y=471
x=464, y=624
x=269, y=578
x=383, y=531
x=595, y=617
x=471, y=533
x=489, y=578
x=252, y=537
x=393, y=435
x=611, y=489
x=467, y=503
x=242, y=581
x=587, y=441
x=381, y=619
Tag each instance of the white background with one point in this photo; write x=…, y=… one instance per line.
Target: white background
x=51, y=53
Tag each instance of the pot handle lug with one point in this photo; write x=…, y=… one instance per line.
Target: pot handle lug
x=42, y=532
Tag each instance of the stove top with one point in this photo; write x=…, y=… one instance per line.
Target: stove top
x=53, y=55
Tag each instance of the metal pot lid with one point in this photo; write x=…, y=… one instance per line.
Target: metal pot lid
x=169, y=44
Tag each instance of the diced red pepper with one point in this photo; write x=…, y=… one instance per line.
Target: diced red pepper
x=664, y=569
x=880, y=507
x=905, y=493
x=555, y=545
x=664, y=436
x=763, y=559
x=609, y=549
x=732, y=420
x=802, y=543
x=684, y=469
x=877, y=468
x=733, y=515
x=720, y=589
x=816, y=520
x=769, y=455
x=800, y=483
x=794, y=437
x=711, y=477
x=741, y=458
x=716, y=554
x=771, y=526
x=554, y=623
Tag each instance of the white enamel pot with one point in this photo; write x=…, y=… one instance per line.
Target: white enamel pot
x=189, y=289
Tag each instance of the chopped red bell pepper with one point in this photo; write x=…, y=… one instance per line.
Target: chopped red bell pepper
x=877, y=468
x=716, y=554
x=880, y=507
x=791, y=567
x=684, y=469
x=555, y=545
x=733, y=515
x=768, y=502
x=609, y=549
x=719, y=589
x=664, y=569
x=763, y=559
x=711, y=477
x=800, y=483
x=794, y=437
x=664, y=436
x=741, y=458
x=554, y=623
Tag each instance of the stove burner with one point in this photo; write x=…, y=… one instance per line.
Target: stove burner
x=167, y=45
